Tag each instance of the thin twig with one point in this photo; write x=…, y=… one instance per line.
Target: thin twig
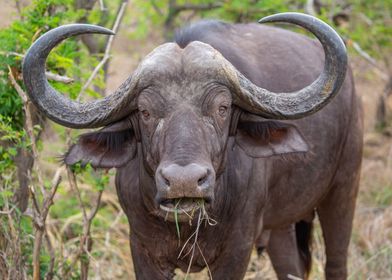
x=156, y=8
x=86, y=242
x=19, y=9
x=49, y=75
x=107, y=49
x=309, y=7
x=364, y=54
x=50, y=273
x=58, y=78
x=198, y=7
x=12, y=54
x=370, y=60
x=40, y=223
x=36, y=208
x=74, y=186
x=7, y=212
x=102, y=5
x=48, y=200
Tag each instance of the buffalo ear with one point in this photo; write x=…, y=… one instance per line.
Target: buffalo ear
x=103, y=149
x=265, y=138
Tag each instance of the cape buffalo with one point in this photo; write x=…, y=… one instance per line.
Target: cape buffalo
x=224, y=125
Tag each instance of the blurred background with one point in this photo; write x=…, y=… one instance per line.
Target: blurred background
x=74, y=228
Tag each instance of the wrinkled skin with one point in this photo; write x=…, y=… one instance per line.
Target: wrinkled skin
x=186, y=142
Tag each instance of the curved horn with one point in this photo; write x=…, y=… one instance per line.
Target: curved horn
x=60, y=108
x=310, y=99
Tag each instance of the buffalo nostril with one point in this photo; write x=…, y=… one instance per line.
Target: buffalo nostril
x=204, y=178
x=164, y=179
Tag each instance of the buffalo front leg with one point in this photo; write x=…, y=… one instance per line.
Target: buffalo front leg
x=146, y=266
x=336, y=214
x=284, y=253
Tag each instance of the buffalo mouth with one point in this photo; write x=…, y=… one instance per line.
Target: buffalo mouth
x=182, y=209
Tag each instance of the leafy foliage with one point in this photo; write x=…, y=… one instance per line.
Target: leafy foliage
x=251, y=11
x=71, y=59
x=368, y=23
x=8, y=152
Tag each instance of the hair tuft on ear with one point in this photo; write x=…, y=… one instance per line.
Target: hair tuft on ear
x=108, y=140
x=267, y=138
x=103, y=149
x=267, y=131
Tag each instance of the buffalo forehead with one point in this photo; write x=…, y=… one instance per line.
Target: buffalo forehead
x=196, y=63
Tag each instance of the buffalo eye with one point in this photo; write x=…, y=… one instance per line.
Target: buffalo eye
x=222, y=111
x=146, y=114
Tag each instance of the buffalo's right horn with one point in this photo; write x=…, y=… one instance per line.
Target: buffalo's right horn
x=60, y=108
x=294, y=105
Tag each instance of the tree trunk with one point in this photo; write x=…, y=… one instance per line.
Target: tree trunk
x=24, y=161
x=382, y=106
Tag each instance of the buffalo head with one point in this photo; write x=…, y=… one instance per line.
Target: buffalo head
x=179, y=108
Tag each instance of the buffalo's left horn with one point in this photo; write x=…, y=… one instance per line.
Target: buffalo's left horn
x=60, y=108
x=310, y=99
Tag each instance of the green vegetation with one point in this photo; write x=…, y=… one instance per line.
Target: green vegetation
x=72, y=60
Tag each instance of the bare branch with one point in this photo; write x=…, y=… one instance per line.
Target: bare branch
x=102, y=5
x=58, y=78
x=370, y=60
x=74, y=186
x=40, y=221
x=85, y=4
x=94, y=210
x=86, y=241
x=48, y=200
x=19, y=9
x=198, y=7
x=49, y=75
x=17, y=87
x=366, y=19
x=36, y=208
x=50, y=273
x=106, y=56
x=175, y=9
x=36, y=253
x=364, y=54
x=156, y=8
x=7, y=212
x=309, y=7
x=11, y=54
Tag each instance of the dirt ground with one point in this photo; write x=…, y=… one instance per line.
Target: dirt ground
x=8, y=11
